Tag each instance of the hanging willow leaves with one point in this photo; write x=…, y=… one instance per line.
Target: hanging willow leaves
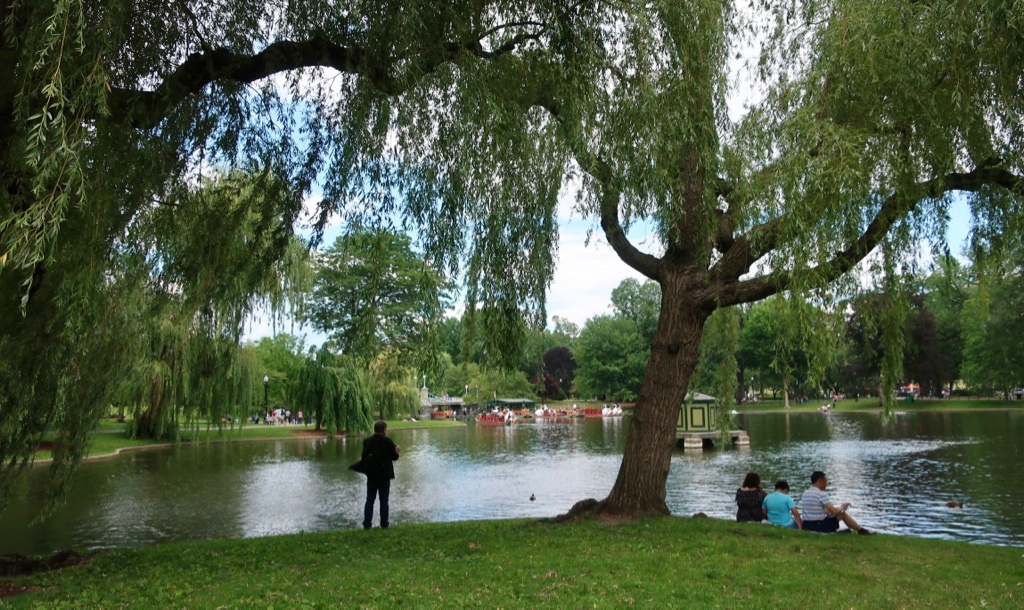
x=334, y=389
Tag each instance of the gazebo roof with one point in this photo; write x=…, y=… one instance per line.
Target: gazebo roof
x=698, y=397
x=509, y=402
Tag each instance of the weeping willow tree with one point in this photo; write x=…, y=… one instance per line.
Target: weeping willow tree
x=394, y=385
x=187, y=379
x=217, y=252
x=464, y=119
x=151, y=317
x=336, y=392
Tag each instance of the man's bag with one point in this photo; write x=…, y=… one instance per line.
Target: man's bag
x=358, y=466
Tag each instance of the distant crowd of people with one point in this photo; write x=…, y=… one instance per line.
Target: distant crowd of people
x=278, y=416
x=817, y=513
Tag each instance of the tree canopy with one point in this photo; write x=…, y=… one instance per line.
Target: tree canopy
x=464, y=120
x=372, y=292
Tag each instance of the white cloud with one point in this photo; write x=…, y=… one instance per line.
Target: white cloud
x=585, y=275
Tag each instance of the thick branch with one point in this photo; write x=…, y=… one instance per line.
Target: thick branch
x=741, y=253
x=646, y=264
x=145, y=109
x=543, y=95
x=893, y=208
x=601, y=171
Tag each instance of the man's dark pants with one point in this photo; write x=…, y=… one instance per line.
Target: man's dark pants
x=375, y=486
x=828, y=525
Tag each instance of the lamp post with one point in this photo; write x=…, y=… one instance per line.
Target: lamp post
x=266, y=389
x=560, y=388
x=424, y=382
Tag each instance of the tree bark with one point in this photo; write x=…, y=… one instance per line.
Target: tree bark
x=640, y=487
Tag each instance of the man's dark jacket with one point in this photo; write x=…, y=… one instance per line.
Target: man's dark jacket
x=379, y=455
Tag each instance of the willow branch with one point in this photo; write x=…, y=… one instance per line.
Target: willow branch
x=146, y=108
x=895, y=207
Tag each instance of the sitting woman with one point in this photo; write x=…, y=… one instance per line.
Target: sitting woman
x=749, y=498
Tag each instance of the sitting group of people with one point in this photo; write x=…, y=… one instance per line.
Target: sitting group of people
x=817, y=512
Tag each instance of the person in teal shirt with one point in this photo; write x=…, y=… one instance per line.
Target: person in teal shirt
x=780, y=508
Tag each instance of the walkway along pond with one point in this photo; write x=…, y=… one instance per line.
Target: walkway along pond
x=898, y=474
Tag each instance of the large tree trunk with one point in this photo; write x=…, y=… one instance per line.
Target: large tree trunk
x=640, y=487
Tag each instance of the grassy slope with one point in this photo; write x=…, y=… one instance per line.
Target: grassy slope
x=664, y=562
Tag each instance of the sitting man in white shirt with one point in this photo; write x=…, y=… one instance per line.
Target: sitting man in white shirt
x=818, y=512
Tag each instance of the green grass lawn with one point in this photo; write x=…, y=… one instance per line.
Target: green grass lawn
x=665, y=562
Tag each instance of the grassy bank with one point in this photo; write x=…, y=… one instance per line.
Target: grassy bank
x=664, y=562
x=109, y=437
x=849, y=404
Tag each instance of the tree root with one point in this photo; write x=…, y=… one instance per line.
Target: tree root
x=602, y=512
x=584, y=509
x=23, y=565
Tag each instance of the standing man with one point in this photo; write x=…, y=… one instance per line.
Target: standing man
x=379, y=455
x=819, y=514
x=780, y=509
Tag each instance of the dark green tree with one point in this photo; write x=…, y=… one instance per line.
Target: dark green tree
x=948, y=288
x=560, y=367
x=791, y=344
x=992, y=326
x=333, y=389
x=373, y=292
x=640, y=303
x=611, y=355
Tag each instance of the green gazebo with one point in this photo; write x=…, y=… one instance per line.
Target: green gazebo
x=697, y=425
x=699, y=413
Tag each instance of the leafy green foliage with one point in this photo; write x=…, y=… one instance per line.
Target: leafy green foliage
x=992, y=326
x=639, y=303
x=335, y=391
x=281, y=358
x=947, y=292
x=393, y=385
x=152, y=321
x=373, y=292
x=611, y=355
x=790, y=344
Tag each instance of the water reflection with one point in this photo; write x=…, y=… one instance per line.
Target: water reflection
x=898, y=473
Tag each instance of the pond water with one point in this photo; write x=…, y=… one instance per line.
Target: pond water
x=897, y=473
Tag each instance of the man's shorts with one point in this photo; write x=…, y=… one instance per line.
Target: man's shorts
x=827, y=525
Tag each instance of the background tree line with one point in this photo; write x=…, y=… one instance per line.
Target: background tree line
x=959, y=334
